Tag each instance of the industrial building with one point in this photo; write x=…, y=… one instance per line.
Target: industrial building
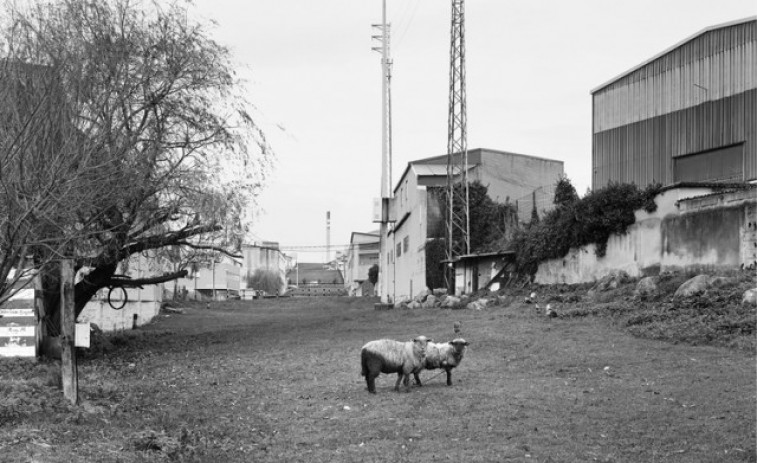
x=362, y=254
x=688, y=114
x=419, y=216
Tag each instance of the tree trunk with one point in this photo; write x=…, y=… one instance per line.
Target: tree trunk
x=84, y=291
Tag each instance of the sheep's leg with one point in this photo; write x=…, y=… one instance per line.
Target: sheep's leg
x=406, y=381
x=417, y=380
x=449, y=376
x=399, y=379
x=370, y=378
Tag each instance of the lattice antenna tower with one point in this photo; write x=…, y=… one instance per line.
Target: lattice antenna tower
x=458, y=213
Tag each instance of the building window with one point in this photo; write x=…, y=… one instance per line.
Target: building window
x=718, y=165
x=405, y=244
x=399, y=250
x=367, y=259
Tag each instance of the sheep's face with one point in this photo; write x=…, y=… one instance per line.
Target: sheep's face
x=420, y=343
x=459, y=344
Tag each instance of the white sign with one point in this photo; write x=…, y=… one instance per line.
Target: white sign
x=377, y=209
x=12, y=313
x=81, y=337
x=16, y=350
x=26, y=293
x=16, y=331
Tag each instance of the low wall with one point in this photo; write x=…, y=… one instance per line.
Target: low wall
x=692, y=228
x=144, y=303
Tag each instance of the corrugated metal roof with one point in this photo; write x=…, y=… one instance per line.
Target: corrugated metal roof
x=671, y=48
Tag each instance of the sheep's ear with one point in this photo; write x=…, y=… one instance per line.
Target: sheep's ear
x=466, y=343
x=429, y=340
x=451, y=343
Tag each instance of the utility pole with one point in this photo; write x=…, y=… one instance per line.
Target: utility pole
x=458, y=217
x=386, y=148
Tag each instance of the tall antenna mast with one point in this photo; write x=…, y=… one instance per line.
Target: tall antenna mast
x=386, y=145
x=328, y=236
x=458, y=217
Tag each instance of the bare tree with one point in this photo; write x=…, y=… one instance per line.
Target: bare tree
x=176, y=157
x=47, y=172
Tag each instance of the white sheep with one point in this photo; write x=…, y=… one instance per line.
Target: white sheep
x=446, y=355
x=389, y=356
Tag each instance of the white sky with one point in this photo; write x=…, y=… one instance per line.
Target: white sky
x=529, y=67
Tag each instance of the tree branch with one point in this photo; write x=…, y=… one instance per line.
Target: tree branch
x=211, y=248
x=132, y=283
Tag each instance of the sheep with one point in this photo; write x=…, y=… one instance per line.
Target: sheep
x=389, y=356
x=445, y=355
x=457, y=327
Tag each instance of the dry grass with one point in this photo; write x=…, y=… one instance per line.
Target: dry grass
x=278, y=380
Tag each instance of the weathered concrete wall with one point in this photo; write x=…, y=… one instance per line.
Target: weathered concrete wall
x=692, y=228
x=708, y=239
x=144, y=303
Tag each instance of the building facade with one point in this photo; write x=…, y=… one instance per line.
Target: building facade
x=264, y=255
x=412, y=244
x=688, y=114
x=362, y=254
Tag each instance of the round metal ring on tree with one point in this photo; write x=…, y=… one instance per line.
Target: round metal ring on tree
x=119, y=294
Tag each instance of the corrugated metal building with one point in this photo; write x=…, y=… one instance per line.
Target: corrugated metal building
x=688, y=114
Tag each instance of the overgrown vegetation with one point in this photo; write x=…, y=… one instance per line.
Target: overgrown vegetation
x=716, y=318
x=577, y=222
x=373, y=274
x=490, y=222
x=265, y=280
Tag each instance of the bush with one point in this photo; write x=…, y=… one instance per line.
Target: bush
x=265, y=280
x=578, y=222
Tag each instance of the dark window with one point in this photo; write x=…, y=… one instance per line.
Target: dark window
x=399, y=250
x=718, y=165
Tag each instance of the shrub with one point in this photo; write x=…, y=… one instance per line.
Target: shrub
x=578, y=222
x=265, y=280
x=373, y=274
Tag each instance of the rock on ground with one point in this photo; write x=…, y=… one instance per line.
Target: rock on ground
x=693, y=286
x=647, y=286
x=750, y=297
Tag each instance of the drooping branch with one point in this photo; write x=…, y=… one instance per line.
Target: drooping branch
x=167, y=239
x=138, y=283
x=209, y=248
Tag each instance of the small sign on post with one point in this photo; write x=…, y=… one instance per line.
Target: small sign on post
x=82, y=335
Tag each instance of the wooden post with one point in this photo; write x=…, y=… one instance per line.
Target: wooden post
x=39, y=309
x=68, y=367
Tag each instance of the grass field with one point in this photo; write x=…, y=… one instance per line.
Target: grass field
x=279, y=380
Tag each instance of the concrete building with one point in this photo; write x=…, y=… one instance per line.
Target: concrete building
x=412, y=244
x=688, y=114
x=264, y=255
x=362, y=254
x=219, y=281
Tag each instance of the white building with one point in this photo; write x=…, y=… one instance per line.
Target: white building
x=362, y=254
x=413, y=243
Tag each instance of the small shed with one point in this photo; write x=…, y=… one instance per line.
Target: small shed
x=480, y=270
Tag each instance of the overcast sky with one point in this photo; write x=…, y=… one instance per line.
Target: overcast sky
x=530, y=67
